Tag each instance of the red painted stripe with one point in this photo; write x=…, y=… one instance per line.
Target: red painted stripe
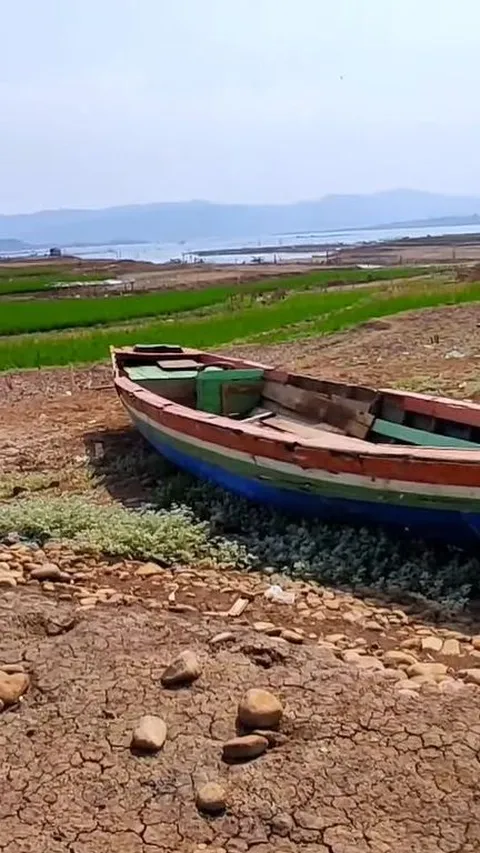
x=437, y=407
x=440, y=467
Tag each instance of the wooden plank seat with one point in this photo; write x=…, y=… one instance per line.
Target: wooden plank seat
x=410, y=435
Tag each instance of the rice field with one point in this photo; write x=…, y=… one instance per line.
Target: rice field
x=44, y=315
x=299, y=311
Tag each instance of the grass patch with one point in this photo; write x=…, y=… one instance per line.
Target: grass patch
x=46, y=280
x=23, y=317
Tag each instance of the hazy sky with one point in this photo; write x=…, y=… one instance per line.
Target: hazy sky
x=122, y=101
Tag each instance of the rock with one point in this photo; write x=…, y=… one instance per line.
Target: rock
x=332, y=604
x=410, y=643
x=476, y=642
x=148, y=570
x=373, y=625
x=369, y=662
x=432, y=644
x=12, y=686
x=397, y=657
x=471, y=676
x=149, y=734
x=243, y=748
x=267, y=628
x=11, y=668
x=238, y=606
x=47, y=572
x=4, y=567
x=183, y=670
x=291, y=636
x=335, y=638
x=451, y=647
x=430, y=671
x=7, y=581
x=282, y=824
x=279, y=596
x=211, y=798
x=223, y=637
x=260, y=709
x=351, y=655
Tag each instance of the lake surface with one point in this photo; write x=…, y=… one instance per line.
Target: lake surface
x=163, y=252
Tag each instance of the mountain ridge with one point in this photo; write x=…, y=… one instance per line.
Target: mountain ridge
x=198, y=219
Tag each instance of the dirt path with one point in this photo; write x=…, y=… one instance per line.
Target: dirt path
x=378, y=750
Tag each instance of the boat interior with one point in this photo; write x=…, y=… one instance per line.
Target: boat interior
x=302, y=405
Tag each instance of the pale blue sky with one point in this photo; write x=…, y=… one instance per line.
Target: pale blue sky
x=122, y=101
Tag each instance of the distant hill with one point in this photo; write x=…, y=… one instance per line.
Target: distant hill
x=11, y=245
x=202, y=220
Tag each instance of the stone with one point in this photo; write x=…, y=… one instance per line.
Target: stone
x=11, y=668
x=373, y=625
x=211, y=798
x=260, y=709
x=149, y=734
x=476, y=642
x=244, y=748
x=12, y=686
x=282, y=824
x=47, y=572
x=432, y=644
x=267, y=628
x=410, y=643
x=335, y=638
x=396, y=657
x=223, y=637
x=351, y=655
x=369, y=662
x=148, y=570
x=430, y=671
x=7, y=581
x=183, y=670
x=332, y=604
x=471, y=676
x=451, y=647
x=291, y=636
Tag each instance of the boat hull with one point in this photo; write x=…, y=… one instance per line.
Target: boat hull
x=420, y=515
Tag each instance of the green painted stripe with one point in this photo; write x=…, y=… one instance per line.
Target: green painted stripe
x=281, y=480
x=410, y=435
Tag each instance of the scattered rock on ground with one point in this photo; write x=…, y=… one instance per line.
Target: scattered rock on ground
x=183, y=670
x=149, y=734
x=260, y=709
x=211, y=798
x=12, y=686
x=291, y=636
x=148, y=570
x=432, y=644
x=430, y=671
x=47, y=572
x=243, y=748
x=471, y=676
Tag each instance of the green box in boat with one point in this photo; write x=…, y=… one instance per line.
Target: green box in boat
x=178, y=386
x=229, y=391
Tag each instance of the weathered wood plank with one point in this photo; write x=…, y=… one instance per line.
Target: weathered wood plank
x=410, y=435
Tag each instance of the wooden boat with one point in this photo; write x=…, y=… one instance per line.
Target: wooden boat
x=314, y=447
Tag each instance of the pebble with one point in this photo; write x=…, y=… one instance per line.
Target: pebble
x=267, y=628
x=471, y=676
x=183, y=670
x=12, y=686
x=149, y=734
x=432, y=644
x=398, y=657
x=223, y=637
x=260, y=709
x=47, y=572
x=274, y=738
x=243, y=748
x=282, y=824
x=451, y=647
x=431, y=671
x=291, y=636
x=211, y=798
x=148, y=570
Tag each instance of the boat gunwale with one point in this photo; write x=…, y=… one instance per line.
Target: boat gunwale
x=328, y=442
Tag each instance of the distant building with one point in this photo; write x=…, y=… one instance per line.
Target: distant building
x=55, y=252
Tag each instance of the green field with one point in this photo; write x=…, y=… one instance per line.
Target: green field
x=299, y=315
x=43, y=315
x=29, y=280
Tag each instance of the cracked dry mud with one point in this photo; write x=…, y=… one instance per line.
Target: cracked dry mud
x=363, y=770
x=359, y=766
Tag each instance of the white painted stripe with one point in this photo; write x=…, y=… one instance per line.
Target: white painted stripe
x=276, y=466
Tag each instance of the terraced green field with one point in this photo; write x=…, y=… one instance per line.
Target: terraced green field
x=79, y=331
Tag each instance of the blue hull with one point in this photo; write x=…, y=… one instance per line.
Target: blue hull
x=458, y=528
